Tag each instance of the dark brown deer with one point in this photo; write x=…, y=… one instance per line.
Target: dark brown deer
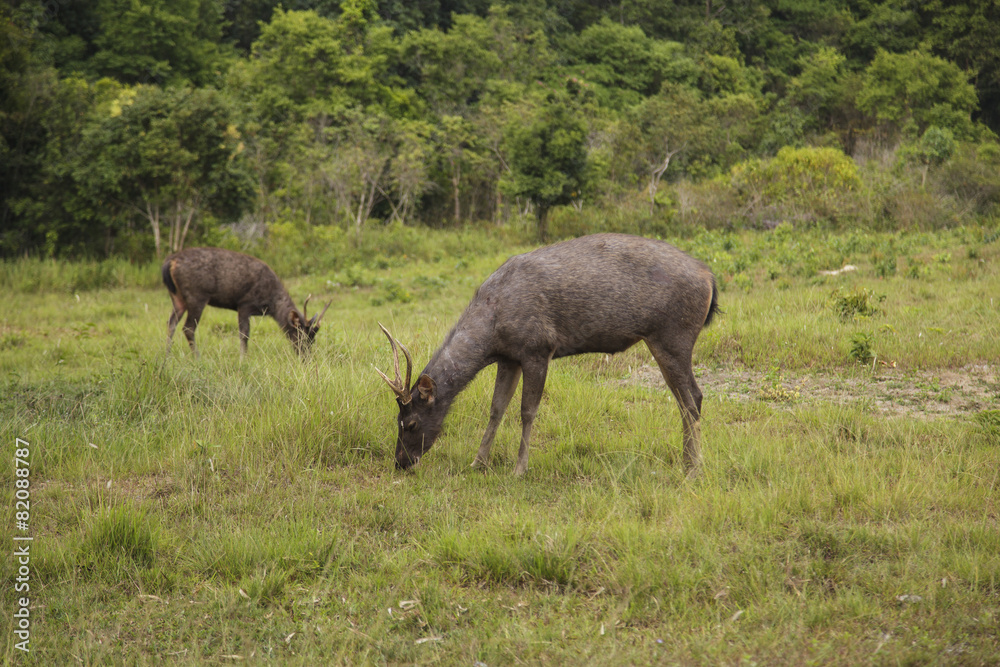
x=600, y=293
x=199, y=277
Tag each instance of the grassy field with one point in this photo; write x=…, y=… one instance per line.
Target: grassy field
x=224, y=510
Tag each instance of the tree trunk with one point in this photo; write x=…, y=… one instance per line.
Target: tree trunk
x=542, y=216
x=654, y=180
x=456, y=179
x=153, y=214
x=187, y=223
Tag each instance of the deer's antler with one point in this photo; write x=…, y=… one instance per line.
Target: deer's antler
x=401, y=389
x=315, y=321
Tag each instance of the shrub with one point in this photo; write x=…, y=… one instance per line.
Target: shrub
x=861, y=348
x=859, y=302
x=914, y=208
x=972, y=177
x=800, y=185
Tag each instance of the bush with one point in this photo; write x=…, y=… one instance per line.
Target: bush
x=807, y=185
x=711, y=204
x=859, y=302
x=913, y=208
x=972, y=177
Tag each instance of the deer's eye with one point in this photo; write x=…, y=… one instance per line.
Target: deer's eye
x=410, y=425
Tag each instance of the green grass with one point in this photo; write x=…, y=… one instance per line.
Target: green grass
x=191, y=511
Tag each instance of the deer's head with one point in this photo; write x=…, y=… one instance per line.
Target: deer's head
x=420, y=415
x=302, y=331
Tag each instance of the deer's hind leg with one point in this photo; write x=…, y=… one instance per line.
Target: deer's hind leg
x=535, y=370
x=508, y=374
x=674, y=360
x=243, y=317
x=191, y=324
x=175, y=317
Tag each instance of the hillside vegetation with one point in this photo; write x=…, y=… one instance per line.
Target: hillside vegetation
x=134, y=128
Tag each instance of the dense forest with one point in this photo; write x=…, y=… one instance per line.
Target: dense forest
x=132, y=127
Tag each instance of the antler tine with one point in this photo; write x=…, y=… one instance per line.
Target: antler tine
x=316, y=323
x=397, y=386
x=389, y=382
x=395, y=352
x=305, y=304
x=409, y=366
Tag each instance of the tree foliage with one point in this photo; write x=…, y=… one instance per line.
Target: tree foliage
x=548, y=159
x=910, y=91
x=171, y=156
x=118, y=117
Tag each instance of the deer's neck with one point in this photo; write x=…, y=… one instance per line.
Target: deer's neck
x=463, y=354
x=281, y=309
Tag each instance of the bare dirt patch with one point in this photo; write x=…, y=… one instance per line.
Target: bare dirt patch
x=892, y=391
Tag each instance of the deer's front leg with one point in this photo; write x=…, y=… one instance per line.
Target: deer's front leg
x=534, y=371
x=508, y=374
x=243, y=317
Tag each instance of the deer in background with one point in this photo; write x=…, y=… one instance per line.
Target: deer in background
x=599, y=293
x=197, y=277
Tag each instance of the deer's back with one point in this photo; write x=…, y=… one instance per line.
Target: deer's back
x=223, y=278
x=599, y=293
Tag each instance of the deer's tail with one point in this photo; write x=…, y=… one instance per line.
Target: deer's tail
x=168, y=280
x=714, y=307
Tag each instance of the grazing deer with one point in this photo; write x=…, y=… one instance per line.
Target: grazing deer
x=197, y=277
x=599, y=293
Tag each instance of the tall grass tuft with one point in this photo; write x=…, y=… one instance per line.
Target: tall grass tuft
x=119, y=537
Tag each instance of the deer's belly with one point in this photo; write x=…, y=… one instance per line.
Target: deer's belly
x=610, y=345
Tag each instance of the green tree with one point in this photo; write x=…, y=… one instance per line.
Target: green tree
x=972, y=176
x=409, y=169
x=171, y=156
x=908, y=92
x=20, y=134
x=681, y=131
x=805, y=183
x=355, y=162
x=146, y=41
x=661, y=128
x=821, y=87
x=49, y=210
x=548, y=159
x=933, y=148
x=451, y=70
x=308, y=67
x=966, y=33
x=890, y=25
x=624, y=59
x=457, y=146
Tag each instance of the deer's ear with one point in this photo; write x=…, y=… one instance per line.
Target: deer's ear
x=295, y=320
x=426, y=386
